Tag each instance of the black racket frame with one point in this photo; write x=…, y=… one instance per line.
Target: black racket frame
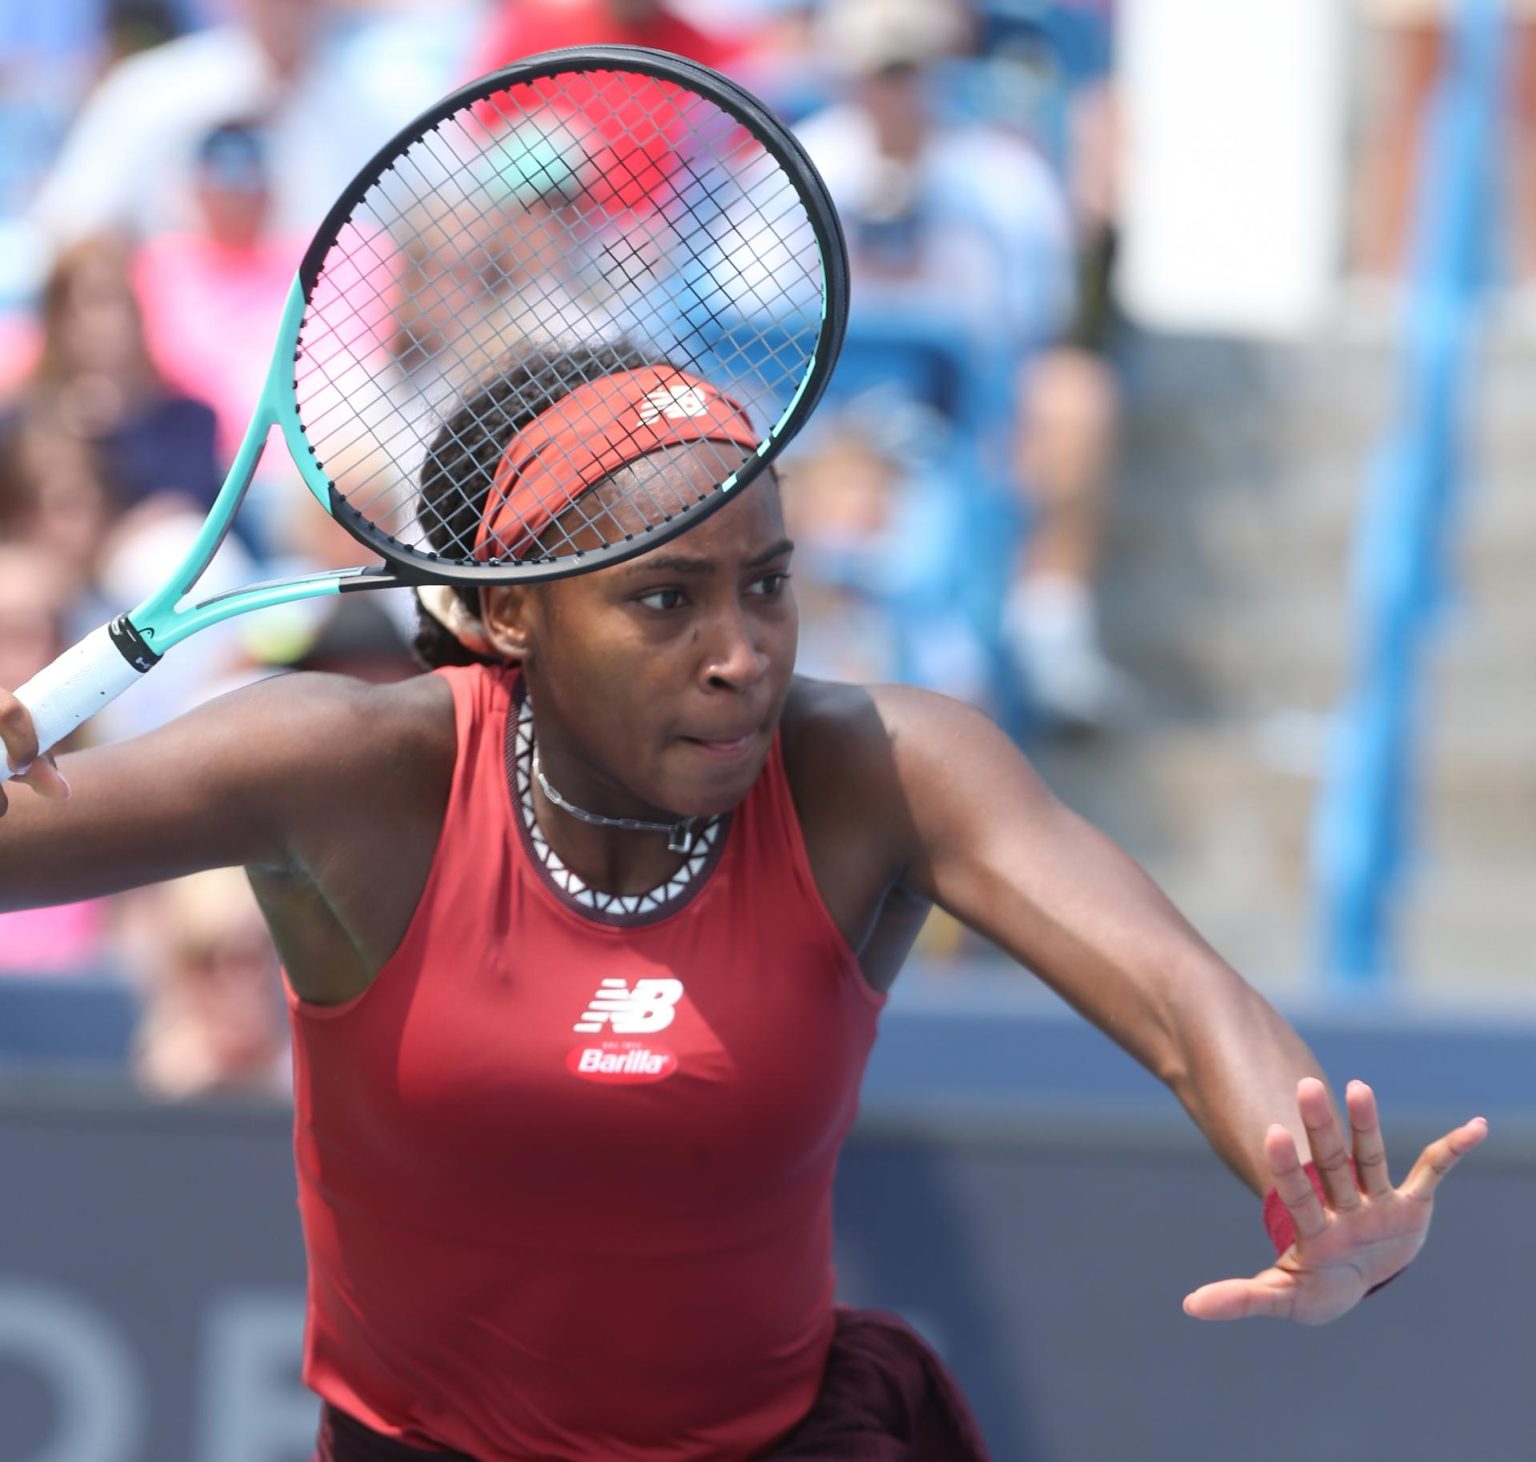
x=412, y=566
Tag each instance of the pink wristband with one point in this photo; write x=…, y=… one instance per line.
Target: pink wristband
x=1281, y=1227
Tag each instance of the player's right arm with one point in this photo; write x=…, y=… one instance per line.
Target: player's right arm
x=272, y=776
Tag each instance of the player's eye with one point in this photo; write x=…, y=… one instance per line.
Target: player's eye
x=662, y=599
x=770, y=586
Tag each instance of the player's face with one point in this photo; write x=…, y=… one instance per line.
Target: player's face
x=657, y=684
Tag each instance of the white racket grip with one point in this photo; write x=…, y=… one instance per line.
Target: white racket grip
x=74, y=687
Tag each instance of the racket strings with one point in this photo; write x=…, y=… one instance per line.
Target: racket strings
x=494, y=235
x=612, y=252
x=653, y=501
x=659, y=513
x=457, y=363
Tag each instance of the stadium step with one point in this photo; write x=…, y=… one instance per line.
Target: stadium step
x=1226, y=593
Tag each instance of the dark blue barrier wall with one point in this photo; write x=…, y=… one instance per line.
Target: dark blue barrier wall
x=150, y=1274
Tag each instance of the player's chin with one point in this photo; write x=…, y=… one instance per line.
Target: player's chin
x=710, y=777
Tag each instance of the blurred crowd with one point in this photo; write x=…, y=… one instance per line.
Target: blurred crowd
x=165, y=162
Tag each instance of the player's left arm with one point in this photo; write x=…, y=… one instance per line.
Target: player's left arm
x=987, y=841
x=1005, y=857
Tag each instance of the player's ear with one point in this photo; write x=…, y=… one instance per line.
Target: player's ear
x=507, y=612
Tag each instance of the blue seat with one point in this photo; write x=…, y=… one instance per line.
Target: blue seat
x=969, y=515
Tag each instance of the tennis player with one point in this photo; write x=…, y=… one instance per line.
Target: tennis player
x=586, y=934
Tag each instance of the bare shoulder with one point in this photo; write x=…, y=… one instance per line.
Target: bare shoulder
x=408, y=706
x=312, y=726
x=289, y=757
x=403, y=719
x=909, y=767
x=879, y=731
x=879, y=764
x=821, y=717
x=286, y=774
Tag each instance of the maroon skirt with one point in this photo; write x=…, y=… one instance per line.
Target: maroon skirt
x=885, y=1397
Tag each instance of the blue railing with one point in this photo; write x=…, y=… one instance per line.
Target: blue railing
x=1364, y=834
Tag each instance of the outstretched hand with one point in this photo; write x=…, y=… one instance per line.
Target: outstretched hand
x=1354, y=1238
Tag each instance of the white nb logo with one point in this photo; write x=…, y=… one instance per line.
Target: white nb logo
x=648, y=1008
x=675, y=403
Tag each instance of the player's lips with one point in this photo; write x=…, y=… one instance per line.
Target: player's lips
x=726, y=746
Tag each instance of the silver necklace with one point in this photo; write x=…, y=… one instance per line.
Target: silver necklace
x=680, y=834
x=606, y=906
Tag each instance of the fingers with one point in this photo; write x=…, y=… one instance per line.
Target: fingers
x=1270, y=1295
x=1370, y=1151
x=18, y=740
x=1440, y=1157
x=1326, y=1140
x=1292, y=1183
x=45, y=778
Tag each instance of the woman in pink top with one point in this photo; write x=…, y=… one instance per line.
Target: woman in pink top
x=586, y=935
x=210, y=293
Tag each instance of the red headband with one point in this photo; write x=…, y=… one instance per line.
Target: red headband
x=597, y=428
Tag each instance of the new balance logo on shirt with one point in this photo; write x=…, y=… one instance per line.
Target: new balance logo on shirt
x=617, y=1011
x=650, y=1007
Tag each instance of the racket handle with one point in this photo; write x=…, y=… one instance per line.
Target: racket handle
x=79, y=683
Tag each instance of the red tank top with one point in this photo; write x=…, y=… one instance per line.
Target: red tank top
x=565, y=1168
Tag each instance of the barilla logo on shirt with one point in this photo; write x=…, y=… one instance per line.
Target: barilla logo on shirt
x=648, y=1007
x=621, y=1063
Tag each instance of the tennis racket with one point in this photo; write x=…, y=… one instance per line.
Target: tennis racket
x=600, y=203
